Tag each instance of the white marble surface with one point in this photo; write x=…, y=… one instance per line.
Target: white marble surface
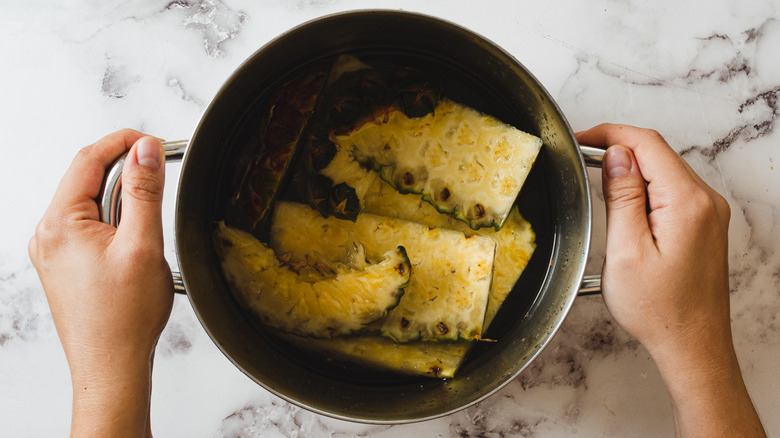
x=704, y=73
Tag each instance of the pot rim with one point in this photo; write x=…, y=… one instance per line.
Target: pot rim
x=575, y=273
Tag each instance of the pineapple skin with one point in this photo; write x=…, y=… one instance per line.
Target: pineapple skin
x=430, y=359
x=286, y=118
x=515, y=241
x=464, y=163
x=343, y=168
x=337, y=305
x=515, y=244
x=448, y=290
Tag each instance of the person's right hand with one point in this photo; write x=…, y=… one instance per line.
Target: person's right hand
x=665, y=276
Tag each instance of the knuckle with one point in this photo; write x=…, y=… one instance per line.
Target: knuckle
x=703, y=208
x=141, y=252
x=723, y=209
x=126, y=131
x=654, y=135
x=46, y=238
x=44, y=232
x=85, y=153
x=32, y=249
x=722, y=205
x=623, y=195
x=702, y=203
x=118, y=135
x=144, y=187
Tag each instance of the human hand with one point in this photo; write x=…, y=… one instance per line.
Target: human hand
x=665, y=276
x=109, y=289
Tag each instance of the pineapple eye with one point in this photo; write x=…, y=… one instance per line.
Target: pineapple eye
x=407, y=178
x=479, y=211
x=404, y=323
x=444, y=195
x=401, y=269
x=443, y=329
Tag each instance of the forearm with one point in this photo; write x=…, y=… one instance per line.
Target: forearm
x=112, y=399
x=708, y=395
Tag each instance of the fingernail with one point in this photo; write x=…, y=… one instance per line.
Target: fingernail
x=617, y=162
x=148, y=153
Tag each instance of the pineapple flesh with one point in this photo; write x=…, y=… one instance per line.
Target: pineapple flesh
x=431, y=359
x=344, y=169
x=515, y=244
x=515, y=241
x=344, y=302
x=464, y=163
x=354, y=93
x=451, y=272
x=382, y=148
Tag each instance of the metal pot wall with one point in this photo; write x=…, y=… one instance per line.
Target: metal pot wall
x=556, y=200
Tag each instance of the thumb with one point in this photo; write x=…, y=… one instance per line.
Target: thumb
x=143, y=178
x=625, y=195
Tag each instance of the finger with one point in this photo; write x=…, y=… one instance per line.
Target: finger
x=143, y=179
x=626, y=199
x=82, y=181
x=642, y=142
x=663, y=169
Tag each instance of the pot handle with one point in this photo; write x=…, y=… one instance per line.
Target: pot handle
x=591, y=284
x=110, y=199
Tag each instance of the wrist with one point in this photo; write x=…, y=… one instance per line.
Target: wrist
x=706, y=389
x=694, y=350
x=698, y=370
x=111, y=395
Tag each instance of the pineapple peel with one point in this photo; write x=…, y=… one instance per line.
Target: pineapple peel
x=452, y=272
x=384, y=149
x=431, y=359
x=462, y=162
x=325, y=307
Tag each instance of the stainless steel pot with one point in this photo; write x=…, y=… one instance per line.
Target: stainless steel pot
x=556, y=200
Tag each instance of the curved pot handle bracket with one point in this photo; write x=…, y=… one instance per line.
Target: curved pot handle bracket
x=591, y=284
x=110, y=199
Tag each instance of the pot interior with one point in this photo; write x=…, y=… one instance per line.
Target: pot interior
x=554, y=199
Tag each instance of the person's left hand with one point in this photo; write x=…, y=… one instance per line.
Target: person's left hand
x=109, y=289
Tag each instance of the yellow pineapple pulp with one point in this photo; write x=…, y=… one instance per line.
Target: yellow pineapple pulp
x=451, y=273
x=464, y=163
x=340, y=304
